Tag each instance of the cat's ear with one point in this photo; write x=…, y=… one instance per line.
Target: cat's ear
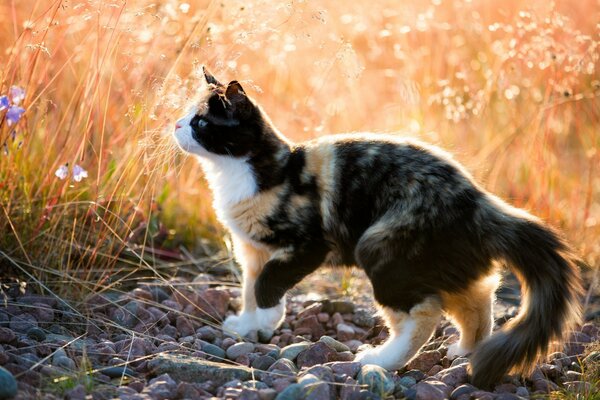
x=210, y=79
x=235, y=92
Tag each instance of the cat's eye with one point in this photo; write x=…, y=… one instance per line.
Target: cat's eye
x=201, y=123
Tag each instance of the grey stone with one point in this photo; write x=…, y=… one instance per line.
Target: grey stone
x=238, y=349
x=334, y=344
x=407, y=381
x=64, y=362
x=193, y=369
x=459, y=361
x=117, y=371
x=462, y=390
x=291, y=352
x=378, y=380
x=263, y=362
x=431, y=390
x=36, y=334
x=425, y=361
x=292, y=392
x=8, y=384
x=318, y=353
x=23, y=322
x=522, y=392
x=348, y=368
x=363, y=318
x=213, y=350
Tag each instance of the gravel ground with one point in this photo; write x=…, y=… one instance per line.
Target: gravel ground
x=162, y=341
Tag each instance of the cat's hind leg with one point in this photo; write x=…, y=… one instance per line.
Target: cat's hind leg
x=472, y=311
x=408, y=332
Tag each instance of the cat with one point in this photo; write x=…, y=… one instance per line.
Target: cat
x=427, y=236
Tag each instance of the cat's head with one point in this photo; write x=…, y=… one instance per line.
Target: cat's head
x=224, y=122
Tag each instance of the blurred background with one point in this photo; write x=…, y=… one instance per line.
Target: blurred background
x=94, y=87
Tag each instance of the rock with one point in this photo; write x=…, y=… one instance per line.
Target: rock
x=345, y=368
x=592, y=359
x=239, y=349
x=284, y=366
x=117, y=371
x=263, y=362
x=313, y=309
x=207, y=333
x=482, y=395
x=214, y=303
x=378, y=380
x=345, y=332
x=505, y=388
x=353, y=344
x=544, y=385
x=407, y=381
x=309, y=325
x=192, y=369
x=415, y=373
x=318, y=353
x=454, y=376
x=425, y=361
x=7, y=335
x=434, y=370
x=522, y=392
x=507, y=396
x=43, y=313
x=462, y=390
x=322, y=372
x=363, y=318
x=334, y=344
x=317, y=391
x=8, y=384
x=249, y=394
x=184, y=326
x=77, y=393
x=161, y=388
x=459, y=361
x=64, y=362
x=339, y=306
x=23, y=322
x=349, y=389
x=292, y=392
x=36, y=334
x=291, y=352
x=213, y=350
x=267, y=394
x=432, y=390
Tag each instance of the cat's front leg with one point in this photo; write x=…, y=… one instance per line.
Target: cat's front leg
x=252, y=259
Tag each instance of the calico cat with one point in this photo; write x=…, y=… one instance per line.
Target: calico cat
x=410, y=216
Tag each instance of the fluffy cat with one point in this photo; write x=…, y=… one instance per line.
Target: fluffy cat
x=410, y=216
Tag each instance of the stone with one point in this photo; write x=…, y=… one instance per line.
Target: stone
x=415, y=373
x=347, y=368
x=334, y=344
x=249, y=394
x=77, y=393
x=284, y=366
x=8, y=384
x=349, y=389
x=522, y=392
x=425, y=360
x=213, y=350
x=407, y=381
x=23, y=322
x=340, y=306
x=345, y=332
x=321, y=372
x=207, y=333
x=317, y=391
x=309, y=325
x=459, y=361
x=292, y=392
x=363, y=318
x=462, y=390
x=264, y=335
x=7, y=335
x=506, y=396
x=318, y=353
x=263, y=362
x=267, y=394
x=482, y=395
x=117, y=371
x=64, y=362
x=213, y=302
x=291, y=352
x=378, y=380
x=579, y=387
x=161, y=388
x=184, y=326
x=193, y=369
x=313, y=309
x=239, y=349
x=544, y=385
x=454, y=376
x=505, y=388
x=36, y=334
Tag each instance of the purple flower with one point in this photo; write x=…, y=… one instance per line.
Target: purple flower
x=17, y=95
x=79, y=173
x=62, y=172
x=13, y=115
x=4, y=103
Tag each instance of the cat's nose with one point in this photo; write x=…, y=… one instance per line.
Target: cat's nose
x=177, y=125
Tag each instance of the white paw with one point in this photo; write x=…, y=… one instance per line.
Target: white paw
x=455, y=350
x=240, y=324
x=375, y=356
x=270, y=318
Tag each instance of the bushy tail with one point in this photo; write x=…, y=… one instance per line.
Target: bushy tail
x=550, y=285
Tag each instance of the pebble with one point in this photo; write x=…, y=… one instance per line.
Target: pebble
x=462, y=390
x=8, y=384
x=425, y=360
x=117, y=371
x=294, y=391
x=7, y=335
x=263, y=362
x=378, y=380
x=213, y=350
x=459, y=361
x=36, y=334
x=23, y=322
x=522, y=392
x=239, y=349
x=64, y=362
x=363, y=318
x=334, y=344
x=207, y=333
x=345, y=332
x=318, y=353
x=291, y=352
x=264, y=335
x=345, y=368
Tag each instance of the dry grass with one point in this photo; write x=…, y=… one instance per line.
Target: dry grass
x=513, y=90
